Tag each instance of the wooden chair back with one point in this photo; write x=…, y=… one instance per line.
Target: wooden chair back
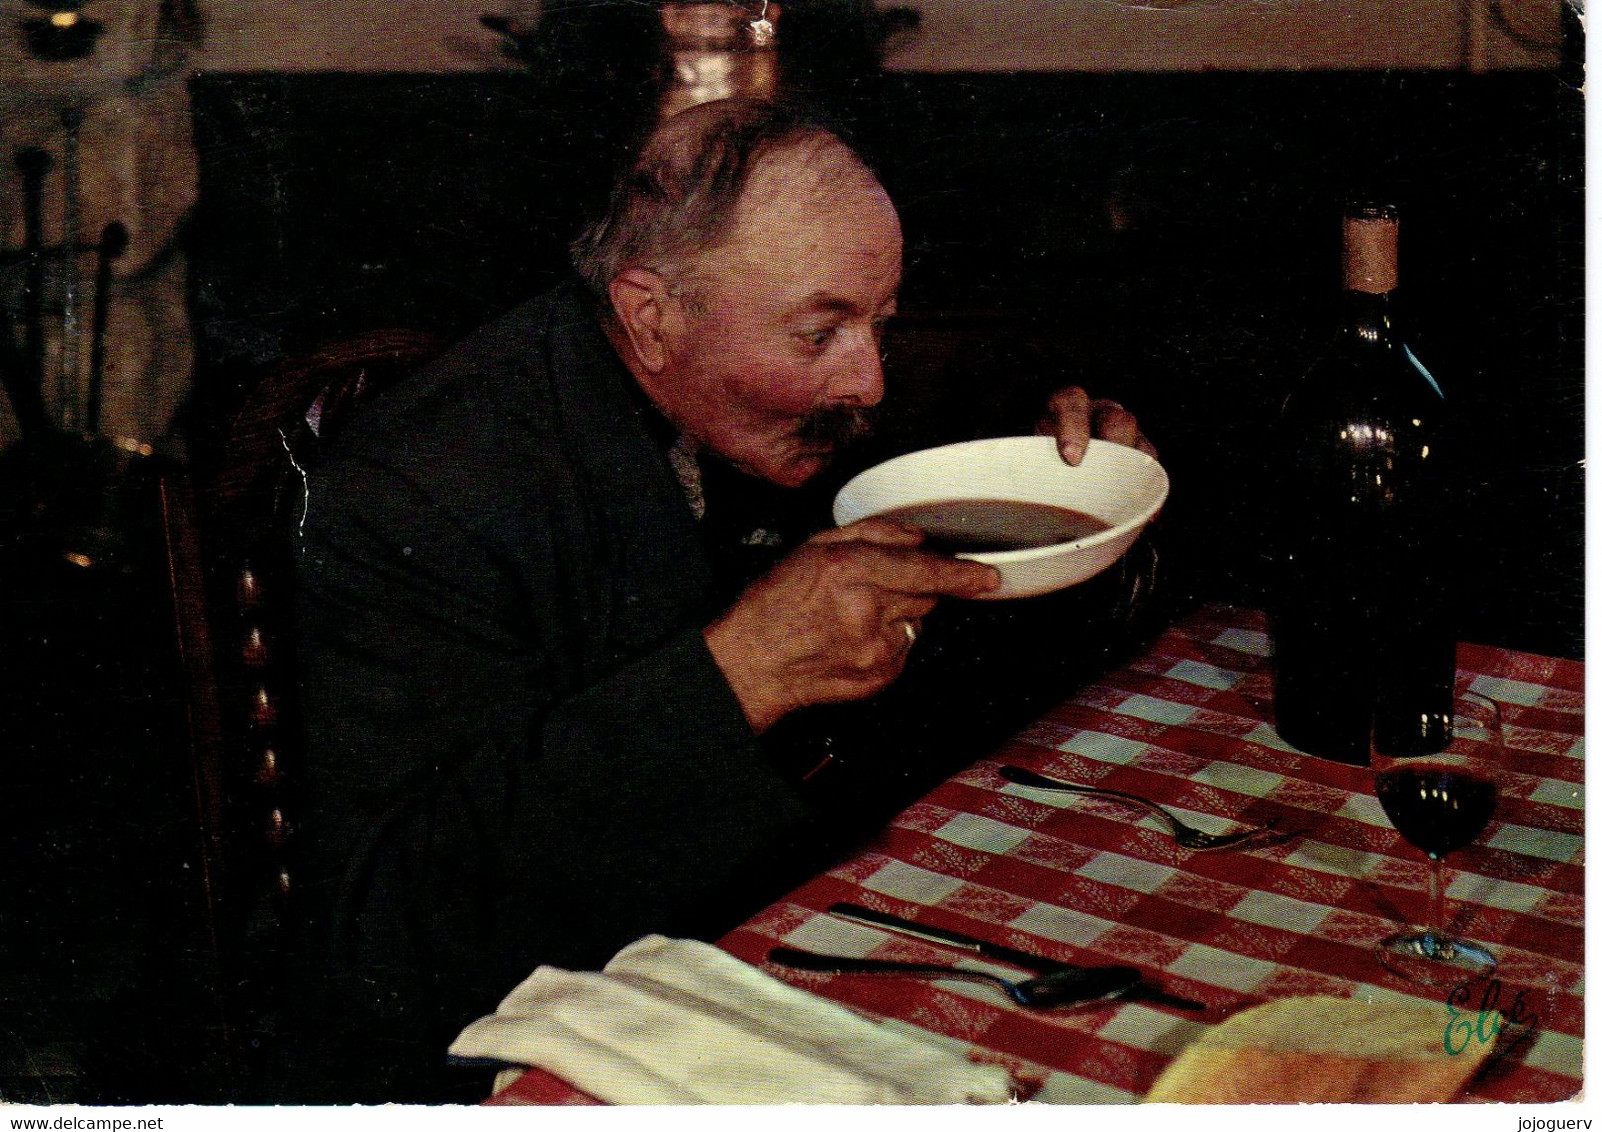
x=229, y=556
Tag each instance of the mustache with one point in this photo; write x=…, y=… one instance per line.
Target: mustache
x=835, y=426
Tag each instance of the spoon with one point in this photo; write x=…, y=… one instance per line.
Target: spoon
x=1057, y=988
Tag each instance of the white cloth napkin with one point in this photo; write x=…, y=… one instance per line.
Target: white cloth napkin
x=673, y=1021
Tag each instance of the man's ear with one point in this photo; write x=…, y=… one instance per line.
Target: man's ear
x=644, y=310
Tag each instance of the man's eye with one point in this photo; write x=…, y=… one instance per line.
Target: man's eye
x=820, y=338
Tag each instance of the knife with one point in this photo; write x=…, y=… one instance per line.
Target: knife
x=1139, y=989
x=998, y=951
x=1069, y=987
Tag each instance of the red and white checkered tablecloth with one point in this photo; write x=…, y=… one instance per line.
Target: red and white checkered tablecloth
x=1087, y=880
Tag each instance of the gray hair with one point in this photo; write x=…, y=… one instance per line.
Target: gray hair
x=681, y=195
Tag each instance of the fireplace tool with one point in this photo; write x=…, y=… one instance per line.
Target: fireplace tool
x=64, y=490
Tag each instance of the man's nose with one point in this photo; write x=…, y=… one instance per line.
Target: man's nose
x=861, y=380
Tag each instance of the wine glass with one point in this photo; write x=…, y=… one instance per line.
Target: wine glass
x=1439, y=803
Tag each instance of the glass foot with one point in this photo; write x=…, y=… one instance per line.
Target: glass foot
x=1433, y=959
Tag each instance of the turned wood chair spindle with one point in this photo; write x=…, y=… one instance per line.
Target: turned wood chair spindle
x=229, y=543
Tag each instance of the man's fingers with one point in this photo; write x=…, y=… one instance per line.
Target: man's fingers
x=866, y=566
x=1111, y=421
x=905, y=607
x=918, y=573
x=1073, y=417
x=1068, y=419
x=1119, y=425
x=884, y=532
x=904, y=570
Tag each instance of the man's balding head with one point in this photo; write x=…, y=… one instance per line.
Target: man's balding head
x=747, y=267
x=683, y=194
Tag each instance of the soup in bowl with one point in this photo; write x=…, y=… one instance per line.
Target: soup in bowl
x=1013, y=503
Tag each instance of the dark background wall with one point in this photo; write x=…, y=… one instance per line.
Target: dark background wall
x=1170, y=239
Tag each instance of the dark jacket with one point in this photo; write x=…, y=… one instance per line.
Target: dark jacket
x=521, y=751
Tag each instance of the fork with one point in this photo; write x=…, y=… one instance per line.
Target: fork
x=1186, y=836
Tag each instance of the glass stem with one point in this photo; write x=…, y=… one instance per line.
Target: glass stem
x=1436, y=926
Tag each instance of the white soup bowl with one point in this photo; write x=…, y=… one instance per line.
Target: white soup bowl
x=1115, y=484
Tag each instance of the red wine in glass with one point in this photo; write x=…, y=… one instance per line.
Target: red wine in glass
x=1441, y=803
x=1438, y=808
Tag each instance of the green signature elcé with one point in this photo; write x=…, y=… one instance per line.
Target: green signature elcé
x=1486, y=1023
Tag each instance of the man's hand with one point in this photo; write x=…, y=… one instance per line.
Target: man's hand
x=1073, y=417
x=835, y=620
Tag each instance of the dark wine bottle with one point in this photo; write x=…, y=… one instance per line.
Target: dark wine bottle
x=1365, y=647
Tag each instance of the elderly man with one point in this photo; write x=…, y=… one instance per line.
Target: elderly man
x=545, y=674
